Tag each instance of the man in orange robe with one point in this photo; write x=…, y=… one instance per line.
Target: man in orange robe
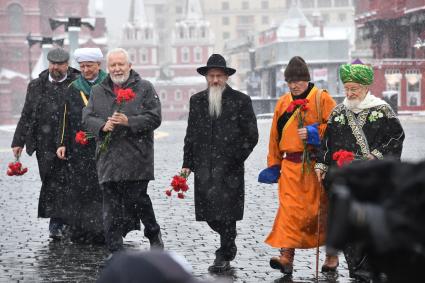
x=302, y=201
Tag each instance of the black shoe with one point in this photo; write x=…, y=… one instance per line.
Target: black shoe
x=58, y=232
x=219, y=266
x=156, y=242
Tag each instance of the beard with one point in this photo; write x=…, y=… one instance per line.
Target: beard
x=214, y=98
x=57, y=75
x=352, y=104
x=120, y=79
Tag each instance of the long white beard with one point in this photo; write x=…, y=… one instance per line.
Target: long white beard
x=214, y=98
x=119, y=80
x=352, y=104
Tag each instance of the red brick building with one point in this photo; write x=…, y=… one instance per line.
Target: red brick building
x=395, y=31
x=18, y=18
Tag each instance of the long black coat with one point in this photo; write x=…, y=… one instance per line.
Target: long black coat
x=37, y=130
x=215, y=150
x=85, y=194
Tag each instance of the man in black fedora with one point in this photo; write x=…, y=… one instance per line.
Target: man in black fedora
x=221, y=133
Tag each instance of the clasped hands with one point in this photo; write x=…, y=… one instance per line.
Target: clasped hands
x=116, y=119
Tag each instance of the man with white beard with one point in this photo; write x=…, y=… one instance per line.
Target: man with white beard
x=221, y=133
x=364, y=125
x=125, y=164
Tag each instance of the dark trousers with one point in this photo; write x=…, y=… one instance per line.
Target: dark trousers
x=124, y=205
x=227, y=232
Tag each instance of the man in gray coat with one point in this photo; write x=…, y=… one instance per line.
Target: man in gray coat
x=221, y=134
x=125, y=161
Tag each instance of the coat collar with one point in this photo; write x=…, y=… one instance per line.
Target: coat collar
x=133, y=79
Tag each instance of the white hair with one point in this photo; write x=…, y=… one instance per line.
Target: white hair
x=118, y=50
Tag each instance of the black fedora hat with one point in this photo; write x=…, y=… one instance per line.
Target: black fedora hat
x=216, y=61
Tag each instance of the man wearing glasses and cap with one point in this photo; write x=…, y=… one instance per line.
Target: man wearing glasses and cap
x=37, y=130
x=86, y=197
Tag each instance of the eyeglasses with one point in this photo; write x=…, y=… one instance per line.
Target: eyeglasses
x=352, y=90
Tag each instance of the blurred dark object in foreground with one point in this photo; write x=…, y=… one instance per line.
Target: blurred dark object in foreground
x=378, y=208
x=147, y=267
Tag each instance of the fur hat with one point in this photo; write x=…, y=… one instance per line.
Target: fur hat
x=297, y=70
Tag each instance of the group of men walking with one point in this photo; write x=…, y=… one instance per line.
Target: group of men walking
x=97, y=192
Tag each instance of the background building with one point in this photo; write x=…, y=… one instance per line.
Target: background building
x=394, y=31
x=18, y=60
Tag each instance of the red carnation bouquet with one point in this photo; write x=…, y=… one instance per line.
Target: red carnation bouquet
x=301, y=107
x=343, y=157
x=16, y=169
x=83, y=138
x=179, y=185
x=123, y=95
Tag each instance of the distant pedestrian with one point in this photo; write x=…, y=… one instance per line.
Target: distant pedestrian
x=37, y=130
x=221, y=134
x=299, y=121
x=85, y=195
x=124, y=152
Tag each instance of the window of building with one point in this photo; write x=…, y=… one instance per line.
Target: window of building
x=341, y=3
x=185, y=54
x=192, y=32
x=16, y=17
x=163, y=95
x=342, y=17
x=306, y=4
x=203, y=32
x=179, y=10
x=265, y=20
x=225, y=21
x=132, y=55
x=264, y=4
x=178, y=94
x=181, y=32
x=198, y=54
x=144, y=55
x=324, y=3
x=245, y=20
x=226, y=35
x=245, y=5
x=393, y=81
x=325, y=18
x=413, y=79
x=225, y=5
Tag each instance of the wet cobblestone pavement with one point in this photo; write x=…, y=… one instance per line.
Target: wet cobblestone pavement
x=28, y=255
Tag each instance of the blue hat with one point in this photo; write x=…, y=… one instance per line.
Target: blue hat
x=269, y=175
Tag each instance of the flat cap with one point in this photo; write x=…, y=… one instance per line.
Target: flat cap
x=58, y=55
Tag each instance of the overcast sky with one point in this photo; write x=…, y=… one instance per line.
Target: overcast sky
x=116, y=13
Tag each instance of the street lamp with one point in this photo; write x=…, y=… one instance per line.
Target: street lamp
x=45, y=44
x=73, y=27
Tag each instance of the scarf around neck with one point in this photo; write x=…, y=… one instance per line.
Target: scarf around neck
x=83, y=85
x=368, y=102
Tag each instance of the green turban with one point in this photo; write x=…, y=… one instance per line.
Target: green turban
x=356, y=73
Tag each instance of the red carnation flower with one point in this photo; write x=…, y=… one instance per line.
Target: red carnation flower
x=179, y=185
x=16, y=169
x=343, y=157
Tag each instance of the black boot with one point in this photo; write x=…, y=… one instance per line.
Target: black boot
x=156, y=242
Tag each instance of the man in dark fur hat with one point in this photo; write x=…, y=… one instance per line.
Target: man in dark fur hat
x=292, y=151
x=221, y=133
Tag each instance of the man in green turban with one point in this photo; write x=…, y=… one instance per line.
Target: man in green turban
x=367, y=128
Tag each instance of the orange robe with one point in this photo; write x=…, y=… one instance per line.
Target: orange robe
x=295, y=225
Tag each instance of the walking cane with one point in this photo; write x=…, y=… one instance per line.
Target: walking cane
x=318, y=230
